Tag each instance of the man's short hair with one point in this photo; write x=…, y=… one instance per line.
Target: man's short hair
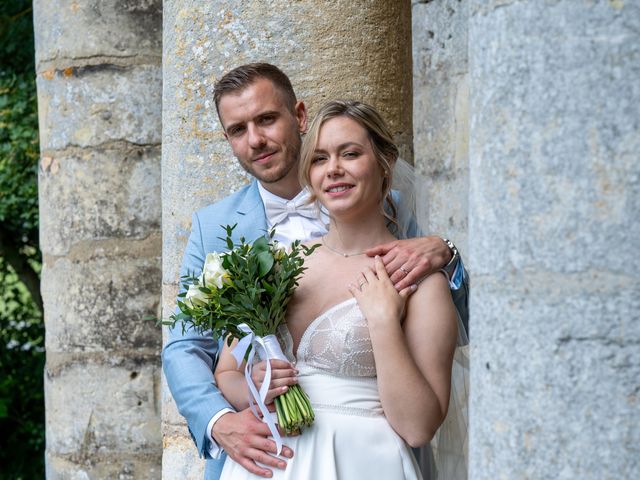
x=241, y=77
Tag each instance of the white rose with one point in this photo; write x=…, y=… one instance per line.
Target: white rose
x=213, y=272
x=280, y=250
x=195, y=296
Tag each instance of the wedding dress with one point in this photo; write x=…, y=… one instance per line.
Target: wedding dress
x=350, y=438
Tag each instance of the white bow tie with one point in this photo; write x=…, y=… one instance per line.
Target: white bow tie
x=279, y=211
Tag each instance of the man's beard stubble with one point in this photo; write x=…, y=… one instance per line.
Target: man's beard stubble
x=277, y=175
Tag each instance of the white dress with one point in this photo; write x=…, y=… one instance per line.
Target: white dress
x=350, y=438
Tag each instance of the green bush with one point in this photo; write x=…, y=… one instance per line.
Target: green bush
x=21, y=323
x=21, y=379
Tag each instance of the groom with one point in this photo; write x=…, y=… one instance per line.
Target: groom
x=262, y=121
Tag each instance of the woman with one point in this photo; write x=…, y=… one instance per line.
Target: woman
x=376, y=363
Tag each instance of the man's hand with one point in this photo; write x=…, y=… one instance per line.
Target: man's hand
x=409, y=261
x=244, y=438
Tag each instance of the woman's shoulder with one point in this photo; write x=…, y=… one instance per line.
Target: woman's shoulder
x=435, y=281
x=434, y=288
x=431, y=308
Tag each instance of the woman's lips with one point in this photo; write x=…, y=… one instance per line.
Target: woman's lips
x=338, y=189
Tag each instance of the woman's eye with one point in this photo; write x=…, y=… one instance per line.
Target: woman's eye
x=350, y=154
x=317, y=159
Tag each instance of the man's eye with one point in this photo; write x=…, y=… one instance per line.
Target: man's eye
x=234, y=132
x=267, y=119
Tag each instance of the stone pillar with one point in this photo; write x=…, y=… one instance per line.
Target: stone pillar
x=99, y=99
x=330, y=50
x=441, y=116
x=554, y=202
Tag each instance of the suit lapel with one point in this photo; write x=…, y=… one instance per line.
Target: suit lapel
x=250, y=215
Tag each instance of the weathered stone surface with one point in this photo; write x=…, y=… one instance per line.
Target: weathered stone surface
x=114, y=193
x=555, y=115
x=102, y=405
x=98, y=299
x=99, y=109
x=118, y=467
x=91, y=105
x=554, y=196
x=555, y=374
x=180, y=459
x=118, y=28
x=440, y=116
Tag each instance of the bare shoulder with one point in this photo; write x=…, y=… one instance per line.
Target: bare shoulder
x=432, y=305
x=433, y=287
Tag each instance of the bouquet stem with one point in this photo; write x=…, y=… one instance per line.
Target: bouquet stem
x=294, y=410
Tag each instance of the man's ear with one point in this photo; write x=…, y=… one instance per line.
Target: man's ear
x=300, y=111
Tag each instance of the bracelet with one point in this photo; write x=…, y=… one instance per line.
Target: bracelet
x=450, y=267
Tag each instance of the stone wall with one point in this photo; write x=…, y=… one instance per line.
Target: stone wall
x=99, y=99
x=330, y=50
x=554, y=239
x=441, y=117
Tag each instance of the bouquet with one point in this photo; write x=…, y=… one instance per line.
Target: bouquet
x=243, y=294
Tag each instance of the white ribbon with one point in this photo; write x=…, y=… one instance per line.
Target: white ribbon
x=267, y=348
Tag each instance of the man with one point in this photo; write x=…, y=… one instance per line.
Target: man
x=262, y=120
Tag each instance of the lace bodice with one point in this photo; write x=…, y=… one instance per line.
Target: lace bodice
x=337, y=342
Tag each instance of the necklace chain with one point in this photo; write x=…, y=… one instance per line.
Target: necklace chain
x=343, y=254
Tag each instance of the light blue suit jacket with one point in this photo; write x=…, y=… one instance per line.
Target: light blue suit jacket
x=189, y=359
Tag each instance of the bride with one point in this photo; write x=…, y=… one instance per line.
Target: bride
x=376, y=363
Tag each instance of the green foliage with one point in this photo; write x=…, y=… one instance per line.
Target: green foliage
x=21, y=383
x=21, y=325
x=16, y=36
x=18, y=160
x=251, y=284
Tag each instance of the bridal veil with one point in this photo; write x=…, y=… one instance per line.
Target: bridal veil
x=446, y=458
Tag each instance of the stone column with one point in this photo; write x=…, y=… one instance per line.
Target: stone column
x=554, y=239
x=99, y=98
x=338, y=49
x=441, y=116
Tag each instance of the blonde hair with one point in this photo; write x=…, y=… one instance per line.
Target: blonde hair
x=384, y=148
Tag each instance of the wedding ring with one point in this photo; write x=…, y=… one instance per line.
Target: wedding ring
x=402, y=269
x=361, y=284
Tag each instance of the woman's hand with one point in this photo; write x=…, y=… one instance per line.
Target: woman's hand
x=378, y=299
x=283, y=374
x=410, y=261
